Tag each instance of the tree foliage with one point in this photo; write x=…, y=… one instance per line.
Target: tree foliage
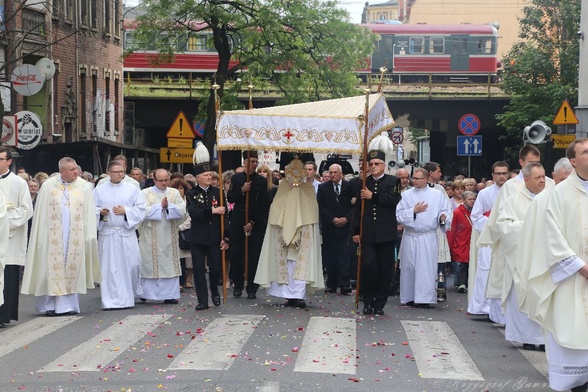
x=541, y=70
x=307, y=49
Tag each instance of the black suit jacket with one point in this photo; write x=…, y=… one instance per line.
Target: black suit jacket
x=258, y=202
x=333, y=206
x=205, y=228
x=379, y=218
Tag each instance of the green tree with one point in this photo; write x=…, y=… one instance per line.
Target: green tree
x=541, y=70
x=307, y=49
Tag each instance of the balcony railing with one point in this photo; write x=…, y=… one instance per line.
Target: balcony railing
x=33, y=23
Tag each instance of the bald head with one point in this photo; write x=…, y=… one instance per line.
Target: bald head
x=335, y=173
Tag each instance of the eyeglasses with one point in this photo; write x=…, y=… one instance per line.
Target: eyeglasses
x=117, y=172
x=419, y=178
x=501, y=174
x=375, y=164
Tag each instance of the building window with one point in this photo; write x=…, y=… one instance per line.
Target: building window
x=107, y=21
x=83, y=101
x=116, y=103
x=56, y=11
x=33, y=23
x=93, y=14
x=69, y=11
x=117, y=23
x=107, y=101
x=437, y=45
x=95, y=100
x=84, y=12
x=416, y=45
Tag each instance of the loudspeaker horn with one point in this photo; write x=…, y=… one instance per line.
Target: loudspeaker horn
x=536, y=132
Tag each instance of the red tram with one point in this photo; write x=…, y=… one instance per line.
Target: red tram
x=411, y=53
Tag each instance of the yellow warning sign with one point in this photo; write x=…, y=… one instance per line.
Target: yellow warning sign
x=181, y=128
x=562, y=141
x=184, y=143
x=565, y=115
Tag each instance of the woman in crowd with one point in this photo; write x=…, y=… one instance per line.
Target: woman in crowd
x=187, y=278
x=457, y=189
x=266, y=172
x=469, y=184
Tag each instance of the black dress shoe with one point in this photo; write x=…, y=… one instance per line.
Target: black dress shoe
x=379, y=312
x=142, y=299
x=296, y=303
x=367, y=309
x=216, y=300
x=409, y=303
x=528, y=346
x=2, y=325
x=50, y=313
x=345, y=290
x=201, y=307
x=171, y=301
x=331, y=290
x=237, y=293
x=251, y=296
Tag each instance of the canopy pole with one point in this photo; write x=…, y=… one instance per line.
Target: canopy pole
x=383, y=70
x=247, y=179
x=364, y=168
x=215, y=87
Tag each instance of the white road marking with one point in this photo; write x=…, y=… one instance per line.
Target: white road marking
x=438, y=352
x=537, y=358
x=96, y=353
x=270, y=386
x=21, y=335
x=219, y=345
x=329, y=346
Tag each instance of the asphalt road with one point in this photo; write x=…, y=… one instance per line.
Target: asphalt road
x=259, y=345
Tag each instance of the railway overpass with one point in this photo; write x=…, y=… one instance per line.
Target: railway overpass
x=439, y=114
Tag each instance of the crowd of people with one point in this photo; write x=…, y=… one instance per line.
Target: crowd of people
x=515, y=243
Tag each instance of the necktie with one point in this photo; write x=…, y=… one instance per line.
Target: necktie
x=337, y=189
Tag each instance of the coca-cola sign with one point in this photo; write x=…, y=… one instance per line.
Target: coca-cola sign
x=27, y=80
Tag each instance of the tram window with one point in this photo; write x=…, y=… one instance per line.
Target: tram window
x=197, y=43
x=437, y=45
x=416, y=45
x=485, y=45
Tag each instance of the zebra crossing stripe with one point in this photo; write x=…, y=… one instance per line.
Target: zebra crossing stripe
x=329, y=346
x=21, y=335
x=535, y=358
x=219, y=345
x=438, y=352
x=94, y=354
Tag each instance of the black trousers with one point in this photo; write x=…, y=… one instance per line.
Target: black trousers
x=200, y=255
x=337, y=261
x=9, y=310
x=377, y=266
x=238, y=259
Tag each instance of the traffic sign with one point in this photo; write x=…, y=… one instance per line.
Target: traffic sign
x=397, y=137
x=176, y=155
x=565, y=115
x=469, y=124
x=181, y=128
x=562, y=141
x=184, y=143
x=469, y=146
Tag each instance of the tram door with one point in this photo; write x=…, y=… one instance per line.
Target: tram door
x=460, y=57
x=384, y=54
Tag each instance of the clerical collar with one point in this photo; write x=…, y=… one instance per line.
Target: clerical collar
x=63, y=182
x=576, y=174
x=3, y=176
x=431, y=185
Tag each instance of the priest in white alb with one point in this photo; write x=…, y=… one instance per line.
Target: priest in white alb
x=3, y=245
x=422, y=210
x=480, y=257
x=290, y=263
x=511, y=225
x=560, y=276
x=62, y=259
x=120, y=208
x=158, y=241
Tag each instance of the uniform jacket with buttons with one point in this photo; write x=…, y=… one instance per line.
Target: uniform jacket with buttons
x=379, y=218
x=205, y=226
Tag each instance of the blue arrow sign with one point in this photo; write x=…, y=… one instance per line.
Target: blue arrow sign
x=469, y=146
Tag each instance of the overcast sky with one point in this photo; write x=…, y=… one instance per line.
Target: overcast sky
x=354, y=7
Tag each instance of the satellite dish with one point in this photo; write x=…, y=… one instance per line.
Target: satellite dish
x=47, y=68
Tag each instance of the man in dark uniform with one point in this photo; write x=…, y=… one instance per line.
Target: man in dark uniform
x=205, y=235
x=258, y=209
x=381, y=196
x=335, y=217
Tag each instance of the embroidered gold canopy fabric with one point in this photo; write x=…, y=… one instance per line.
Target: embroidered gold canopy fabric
x=332, y=126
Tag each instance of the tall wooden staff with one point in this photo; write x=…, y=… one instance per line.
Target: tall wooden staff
x=364, y=168
x=247, y=179
x=215, y=87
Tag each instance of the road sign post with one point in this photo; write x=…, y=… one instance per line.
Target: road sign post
x=470, y=146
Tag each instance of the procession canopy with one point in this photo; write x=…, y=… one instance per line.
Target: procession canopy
x=332, y=126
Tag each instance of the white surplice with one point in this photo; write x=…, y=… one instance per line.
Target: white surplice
x=158, y=242
x=126, y=179
x=118, y=247
x=562, y=293
x=511, y=224
x=479, y=265
x=19, y=210
x=419, y=247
